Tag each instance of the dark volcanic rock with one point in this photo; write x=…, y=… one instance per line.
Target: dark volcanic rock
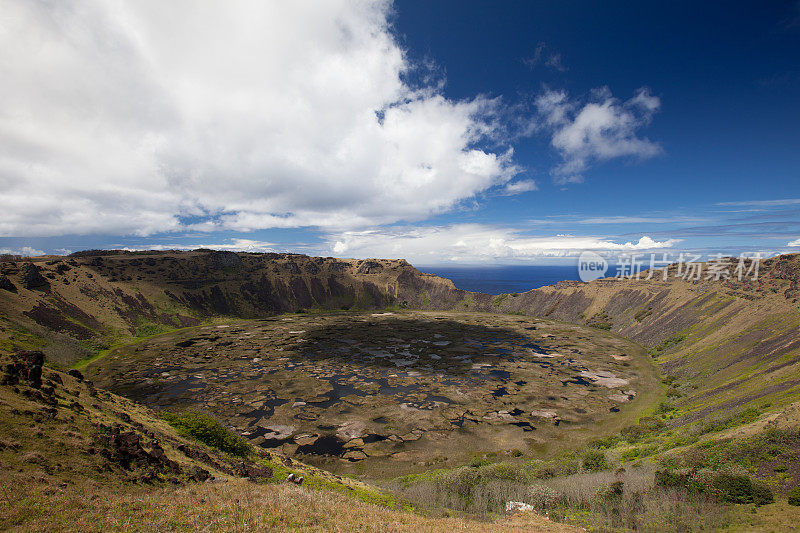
x=125, y=448
x=200, y=474
x=158, y=457
x=32, y=277
x=6, y=284
x=253, y=471
x=75, y=374
x=27, y=366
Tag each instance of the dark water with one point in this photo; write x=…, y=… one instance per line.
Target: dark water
x=504, y=279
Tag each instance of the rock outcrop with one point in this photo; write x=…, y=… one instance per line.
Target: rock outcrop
x=26, y=366
x=32, y=277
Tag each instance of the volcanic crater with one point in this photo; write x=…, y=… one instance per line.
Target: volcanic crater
x=390, y=391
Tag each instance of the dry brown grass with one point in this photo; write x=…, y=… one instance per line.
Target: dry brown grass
x=583, y=498
x=30, y=505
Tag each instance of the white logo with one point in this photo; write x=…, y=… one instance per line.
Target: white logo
x=591, y=266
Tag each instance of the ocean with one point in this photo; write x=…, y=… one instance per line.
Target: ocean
x=503, y=279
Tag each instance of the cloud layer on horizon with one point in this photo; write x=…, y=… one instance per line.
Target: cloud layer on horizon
x=467, y=243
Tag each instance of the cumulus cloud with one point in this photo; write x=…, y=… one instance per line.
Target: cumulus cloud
x=232, y=245
x=26, y=251
x=793, y=243
x=601, y=129
x=475, y=243
x=146, y=117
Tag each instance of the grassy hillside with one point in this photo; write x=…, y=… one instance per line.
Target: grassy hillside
x=77, y=458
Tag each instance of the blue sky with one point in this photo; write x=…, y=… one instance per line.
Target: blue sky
x=443, y=132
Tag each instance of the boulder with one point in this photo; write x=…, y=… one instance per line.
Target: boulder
x=32, y=277
x=159, y=458
x=26, y=365
x=253, y=471
x=127, y=449
x=518, y=507
x=75, y=374
x=6, y=284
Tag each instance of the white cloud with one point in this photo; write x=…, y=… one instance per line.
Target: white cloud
x=475, y=243
x=235, y=245
x=148, y=116
x=793, y=243
x=602, y=129
x=26, y=251
x=765, y=203
x=519, y=187
x=639, y=220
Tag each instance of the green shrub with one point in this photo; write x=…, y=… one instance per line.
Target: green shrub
x=612, y=491
x=671, y=478
x=731, y=488
x=740, y=489
x=201, y=427
x=634, y=433
x=594, y=460
x=604, y=443
x=794, y=496
x=762, y=495
x=479, y=461
x=503, y=471
x=563, y=466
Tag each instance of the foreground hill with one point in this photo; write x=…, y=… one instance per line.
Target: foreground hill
x=77, y=458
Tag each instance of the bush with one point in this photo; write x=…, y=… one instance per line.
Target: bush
x=762, y=495
x=594, y=460
x=794, y=496
x=672, y=478
x=205, y=429
x=503, y=471
x=634, y=433
x=740, y=489
x=477, y=462
x=609, y=492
